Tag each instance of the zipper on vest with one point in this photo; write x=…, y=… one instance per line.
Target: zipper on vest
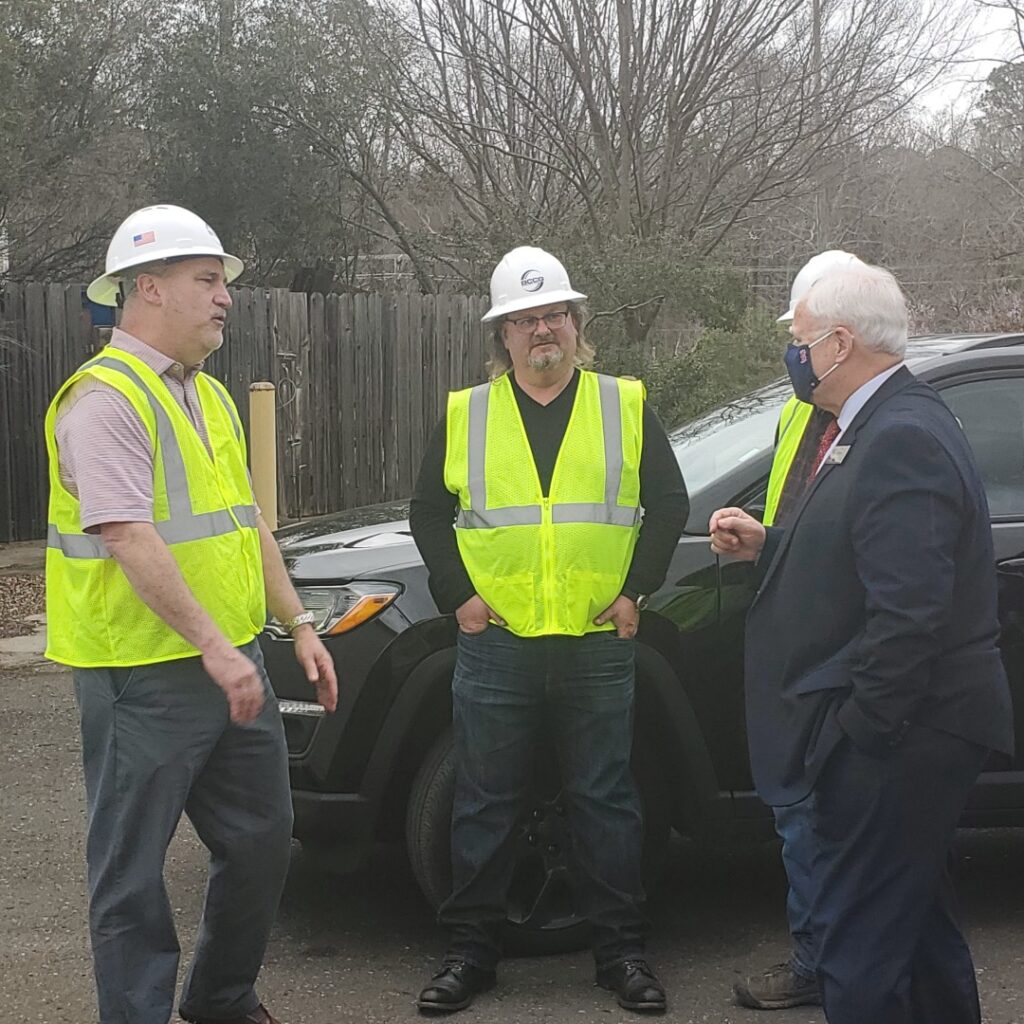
x=547, y=553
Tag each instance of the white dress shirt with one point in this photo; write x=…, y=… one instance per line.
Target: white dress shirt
x=856, y=402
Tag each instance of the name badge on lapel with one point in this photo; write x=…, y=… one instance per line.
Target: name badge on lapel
x=836, y=456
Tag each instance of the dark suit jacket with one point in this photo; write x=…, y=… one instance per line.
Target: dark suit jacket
x=877, y=604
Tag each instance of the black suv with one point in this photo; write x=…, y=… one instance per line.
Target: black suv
x=381, y=766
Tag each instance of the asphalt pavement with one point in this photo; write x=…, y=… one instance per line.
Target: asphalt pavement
x=359, y=948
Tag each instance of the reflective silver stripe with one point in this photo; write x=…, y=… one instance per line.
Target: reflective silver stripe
x=476, y=456
x=225, y=401
x=514, y=515
x=611, y=419
x=171, y=531
x=593, y=512
x=205, y=524
x=246, y=515
x=182, y=525
x=610, y=513
x=76, y=545
x=179, y=502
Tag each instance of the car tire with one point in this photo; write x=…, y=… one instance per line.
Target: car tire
x=541, y=919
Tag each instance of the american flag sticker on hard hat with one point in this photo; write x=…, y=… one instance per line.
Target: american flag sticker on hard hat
x=146, y=238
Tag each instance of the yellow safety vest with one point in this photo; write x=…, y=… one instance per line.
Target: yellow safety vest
x=793, y=422
x=203, y=509
x=547, y=565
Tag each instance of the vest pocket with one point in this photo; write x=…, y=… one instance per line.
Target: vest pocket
x=589, y=593
x=513, y=597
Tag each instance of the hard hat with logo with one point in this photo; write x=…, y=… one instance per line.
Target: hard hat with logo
x=813, y=271
x=157, y=233
x=528, y=277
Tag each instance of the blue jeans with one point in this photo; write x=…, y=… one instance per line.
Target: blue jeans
x=796, y=830
x=507, y=692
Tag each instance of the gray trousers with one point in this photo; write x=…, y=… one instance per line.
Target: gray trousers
x=157, y=740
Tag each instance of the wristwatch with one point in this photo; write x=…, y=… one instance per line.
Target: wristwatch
x=302, y=619
x=642, y=601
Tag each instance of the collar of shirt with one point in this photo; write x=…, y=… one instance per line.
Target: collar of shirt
x=859, y=398
x=159, y=363
x=855, y=403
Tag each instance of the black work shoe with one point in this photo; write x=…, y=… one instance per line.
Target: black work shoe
x=777, y=988
x=453, y=987
x=635, y=984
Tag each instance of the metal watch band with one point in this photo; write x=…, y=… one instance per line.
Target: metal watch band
x=302, y=619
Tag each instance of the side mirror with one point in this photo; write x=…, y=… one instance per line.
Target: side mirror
x=756, y=510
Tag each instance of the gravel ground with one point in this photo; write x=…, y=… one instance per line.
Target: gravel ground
x=357, y=949
x=21, y=595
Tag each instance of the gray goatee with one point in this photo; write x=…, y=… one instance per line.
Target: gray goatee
x=547, y=360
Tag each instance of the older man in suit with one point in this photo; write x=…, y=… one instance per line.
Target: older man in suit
x=874, y=685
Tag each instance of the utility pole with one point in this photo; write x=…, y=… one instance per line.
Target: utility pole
x=226, y=25
x=822, y=219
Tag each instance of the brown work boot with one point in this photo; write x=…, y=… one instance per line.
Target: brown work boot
x=777, y=988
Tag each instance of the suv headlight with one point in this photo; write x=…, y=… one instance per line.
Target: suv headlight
x=340, y=609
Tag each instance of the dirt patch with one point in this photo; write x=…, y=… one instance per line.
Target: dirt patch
x=21, y=595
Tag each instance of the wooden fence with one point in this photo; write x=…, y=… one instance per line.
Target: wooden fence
x=361, y=382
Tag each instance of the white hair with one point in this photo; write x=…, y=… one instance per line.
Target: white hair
x=867, y=300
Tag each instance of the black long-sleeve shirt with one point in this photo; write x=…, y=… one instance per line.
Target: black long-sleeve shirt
x=663, y=496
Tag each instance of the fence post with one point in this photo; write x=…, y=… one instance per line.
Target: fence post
x=263, y=448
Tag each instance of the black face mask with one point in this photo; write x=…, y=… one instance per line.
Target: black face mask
x=801, y=372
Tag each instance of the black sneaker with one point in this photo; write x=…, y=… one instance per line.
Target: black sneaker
x=453, y=987
x=635, y=984
x=778, y=988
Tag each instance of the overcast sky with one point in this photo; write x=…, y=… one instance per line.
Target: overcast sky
x=995, y=40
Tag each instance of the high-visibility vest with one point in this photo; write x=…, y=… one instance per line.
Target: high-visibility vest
x=547, y=565
x=793, y=422
x=203, y=509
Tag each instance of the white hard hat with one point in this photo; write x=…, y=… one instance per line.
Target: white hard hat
x=157, y=233
x=813, y=271
x=528, y=277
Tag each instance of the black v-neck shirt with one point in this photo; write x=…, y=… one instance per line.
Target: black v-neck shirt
x=662, y=494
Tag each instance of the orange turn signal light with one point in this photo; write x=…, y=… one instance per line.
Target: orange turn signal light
x=365, y=608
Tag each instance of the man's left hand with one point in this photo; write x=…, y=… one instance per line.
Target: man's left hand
x=318, y=665
x=623, y=612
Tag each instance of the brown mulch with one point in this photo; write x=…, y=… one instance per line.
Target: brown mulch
x=21, y=595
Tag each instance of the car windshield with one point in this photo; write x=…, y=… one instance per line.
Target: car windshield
x=722, y=439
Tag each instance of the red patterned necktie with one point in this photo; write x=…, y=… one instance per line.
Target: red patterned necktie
x=831, y=433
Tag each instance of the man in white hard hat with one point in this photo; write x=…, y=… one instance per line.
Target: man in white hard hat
x=803, y=429
x=543, y=472
x=159, y=572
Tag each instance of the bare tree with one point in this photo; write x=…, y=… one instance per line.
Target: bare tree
x=323, y=82
x=645, y=127
x=70, y=76
x=1014, y=8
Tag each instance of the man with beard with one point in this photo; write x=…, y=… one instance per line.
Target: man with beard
x=544, y=472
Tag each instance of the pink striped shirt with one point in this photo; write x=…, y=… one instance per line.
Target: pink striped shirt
x=106, y=458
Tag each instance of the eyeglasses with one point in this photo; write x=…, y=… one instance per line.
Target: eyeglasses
x=528, y=324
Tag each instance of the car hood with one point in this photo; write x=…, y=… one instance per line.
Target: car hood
x=345, y=545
